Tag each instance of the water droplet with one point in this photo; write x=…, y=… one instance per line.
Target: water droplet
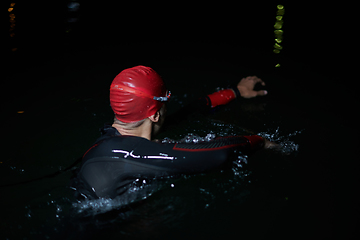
x=58, y=208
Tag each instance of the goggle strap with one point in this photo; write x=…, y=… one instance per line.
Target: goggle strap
x=139, y=93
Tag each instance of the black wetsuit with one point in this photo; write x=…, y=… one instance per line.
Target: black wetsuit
x=114, y=162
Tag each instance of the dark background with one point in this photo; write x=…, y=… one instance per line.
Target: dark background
x=317, y=38
x=316, y=74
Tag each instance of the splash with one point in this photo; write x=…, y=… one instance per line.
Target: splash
x=140, y=189
x=191, y=138
x=208, y=128
x=287, y=146
x=96, y=206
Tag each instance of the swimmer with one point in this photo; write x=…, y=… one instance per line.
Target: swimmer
x=125, y=151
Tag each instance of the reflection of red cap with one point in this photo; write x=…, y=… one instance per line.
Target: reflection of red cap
x=132, y=94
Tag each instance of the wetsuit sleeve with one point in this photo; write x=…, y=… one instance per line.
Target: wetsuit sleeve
x=221, y=97
x=204, y=105
x=110, y=166
x=204, y=156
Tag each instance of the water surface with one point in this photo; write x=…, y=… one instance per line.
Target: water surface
x=61, y=101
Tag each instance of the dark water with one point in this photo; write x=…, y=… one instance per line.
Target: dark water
x=307, y=190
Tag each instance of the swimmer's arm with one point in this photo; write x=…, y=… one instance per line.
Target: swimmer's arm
x=244, y=89
x=178, y=158
x=200, y=157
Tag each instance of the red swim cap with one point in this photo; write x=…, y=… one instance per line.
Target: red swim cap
x=137, y=93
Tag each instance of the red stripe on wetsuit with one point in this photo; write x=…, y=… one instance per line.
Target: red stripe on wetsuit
x=253, y=142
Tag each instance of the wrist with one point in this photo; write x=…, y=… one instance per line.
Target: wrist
x=235, y=90
x=255, y=141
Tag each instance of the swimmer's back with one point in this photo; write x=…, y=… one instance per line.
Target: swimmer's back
x=114, y=161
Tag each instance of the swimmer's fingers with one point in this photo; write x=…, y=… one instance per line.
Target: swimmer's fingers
x=261, y=81
x=256, y=93
x=252, y=93
x=246, y=87
x=261, y=93
x=252, y=80
x=256, y=80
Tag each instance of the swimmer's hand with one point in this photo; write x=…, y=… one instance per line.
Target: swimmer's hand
x=270, y=145
x=246, y=87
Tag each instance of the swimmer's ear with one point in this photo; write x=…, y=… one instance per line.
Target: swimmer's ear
x=155, y=117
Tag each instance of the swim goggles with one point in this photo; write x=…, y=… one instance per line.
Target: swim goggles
x=140, y=93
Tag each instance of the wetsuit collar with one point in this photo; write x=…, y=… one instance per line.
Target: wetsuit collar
x=109, y=130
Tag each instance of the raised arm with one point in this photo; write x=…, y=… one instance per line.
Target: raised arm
x=244, y=89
